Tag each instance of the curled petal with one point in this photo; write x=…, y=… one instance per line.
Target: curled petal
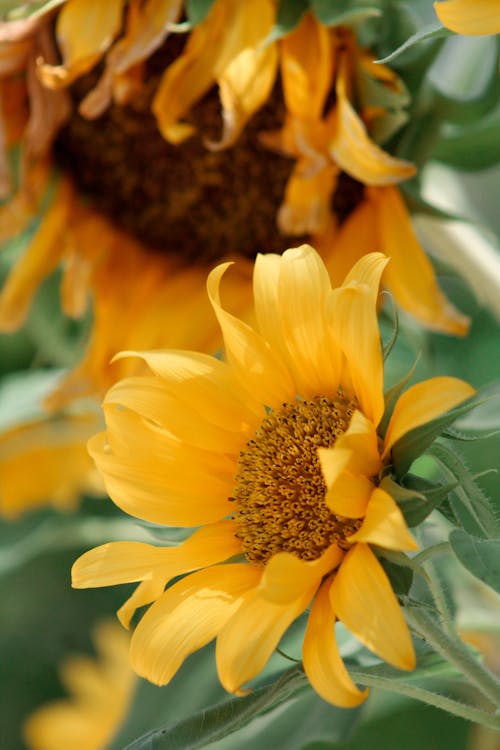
x=362, y=598
x=246, y=642
x=410, y=275
x=323, y=664
x=85, y=29
x=286, y=576
x=352, y=149
x=384, y=524
x=259, y=368
x=423, y=402
x=353, y=315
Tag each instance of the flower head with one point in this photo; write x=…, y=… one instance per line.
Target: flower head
x=100, y=692
x=274, y=454
x=330, y=181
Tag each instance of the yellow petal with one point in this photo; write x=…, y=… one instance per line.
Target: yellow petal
x=306, y=207
x=323, y=664
x=353, y=314
x=249, y=638
x=352, y=149
x=55, y=451
x=384, y=524
x=410, y=275
x=84, y=31
x=360, y=441
x=362, y=598
x=41, y=258
x=246, y=82
x=303, y=289
x=147, y=29
x=145, y=490
x=228, y=29
x=349, y=495
x=355, y=238
x=286, y=577
x=466, y=17
x=306, y=68
x=205, y=380
x=188, y=616
x=127, y=562
x=100, y=694
x=148, y=397
x=422, y=403
x=260, y=370
x=145, y=593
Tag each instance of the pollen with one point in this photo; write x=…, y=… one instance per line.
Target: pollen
x=279, y=487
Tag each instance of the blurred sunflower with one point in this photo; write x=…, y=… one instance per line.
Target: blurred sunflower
x=275, y=454
x=100, y=690
x=303, y=153
x=55, y=451
x=470, y=18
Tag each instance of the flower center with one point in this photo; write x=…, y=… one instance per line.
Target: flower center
x=279, y=487
x=184, y=199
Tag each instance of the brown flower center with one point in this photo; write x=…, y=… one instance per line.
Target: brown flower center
x=184, y=199
x=279, y=487
x=195, y=203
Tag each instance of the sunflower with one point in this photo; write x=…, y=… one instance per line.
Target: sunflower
x=470, y=18
x=55, y=451
x=303, y=156
x=274, y=454
x=100, y=689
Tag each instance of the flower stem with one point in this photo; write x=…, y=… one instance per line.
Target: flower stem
x=427, y=696
x=456, y=653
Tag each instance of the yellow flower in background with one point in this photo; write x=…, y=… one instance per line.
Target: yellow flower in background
x=60, y=469
x=274, y=455
x=194, y=222
x=469, y=17
x=100, y=693
x=139, y=297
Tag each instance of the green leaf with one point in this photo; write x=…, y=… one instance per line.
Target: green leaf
x=416, y=441
x=392, y=395
x=335, y=12
x=288, y=17
x=294, y=725
x=481, y=423
x=481, y=557
x=400, y=576
x=198, y=10
x=217, y=722
x=417, y=500
x=476, y=146
x=425, y=34
x=469, y=504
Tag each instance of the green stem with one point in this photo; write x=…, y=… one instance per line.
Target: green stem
x=456, y=653
x=431, y=552
x=427, y=696
x=439, y=597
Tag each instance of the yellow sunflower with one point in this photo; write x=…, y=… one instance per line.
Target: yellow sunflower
x=55, y=451
x=204, y=196
x=274, y=454
x=100, y=690
x=470, y=17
